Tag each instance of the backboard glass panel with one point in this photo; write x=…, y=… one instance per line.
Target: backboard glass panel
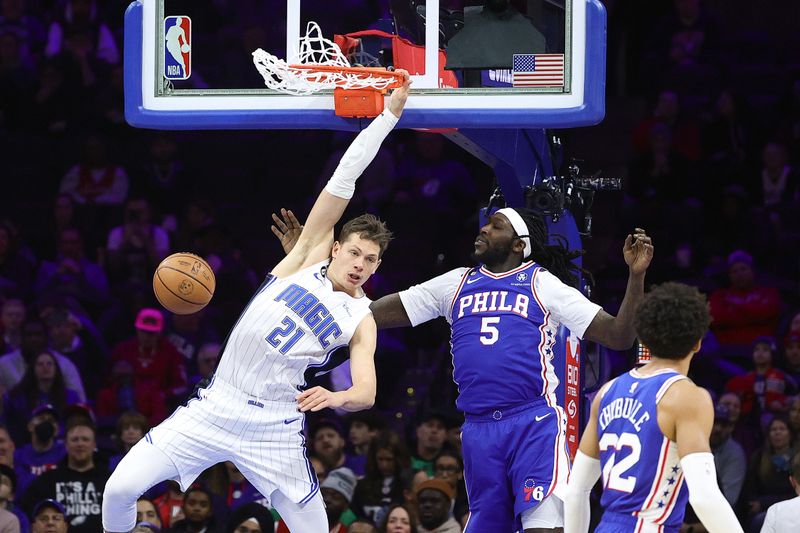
x=503, y=64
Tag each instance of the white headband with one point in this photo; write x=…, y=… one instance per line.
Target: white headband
x=519, y=226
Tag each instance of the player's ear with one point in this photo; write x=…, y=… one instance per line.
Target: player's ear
x=335, y=249
x=518, y=246
x=697, y=346
x=378, y=263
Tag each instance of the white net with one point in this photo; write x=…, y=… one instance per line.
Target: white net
x=289, y=77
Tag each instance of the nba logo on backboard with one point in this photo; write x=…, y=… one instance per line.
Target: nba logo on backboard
x=177, y=48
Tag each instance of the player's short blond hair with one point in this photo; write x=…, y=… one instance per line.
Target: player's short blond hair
x=370, y=228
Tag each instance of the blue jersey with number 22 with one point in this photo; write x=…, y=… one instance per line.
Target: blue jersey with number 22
x=642, y=475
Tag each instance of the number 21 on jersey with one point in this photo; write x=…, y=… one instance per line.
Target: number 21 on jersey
x=285, y=336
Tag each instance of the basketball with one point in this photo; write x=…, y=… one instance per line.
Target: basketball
x=184, y=283
x=185, y=48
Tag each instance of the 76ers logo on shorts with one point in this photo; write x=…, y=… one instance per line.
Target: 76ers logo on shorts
x=532, y=490
x=177, y=48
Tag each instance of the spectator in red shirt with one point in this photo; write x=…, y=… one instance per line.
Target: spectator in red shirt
x=170, y=504
x=125, y=395
x=155, y=360
x=686, y=135
x=744, y=311
x=766, y=390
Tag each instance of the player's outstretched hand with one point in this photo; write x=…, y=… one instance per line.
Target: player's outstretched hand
x=287, y=229
x=399, y=96
x=318, y=398
x=638, y=251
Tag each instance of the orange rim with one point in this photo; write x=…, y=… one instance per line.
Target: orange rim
x=376, y=72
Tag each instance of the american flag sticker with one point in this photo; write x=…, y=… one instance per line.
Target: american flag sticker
x=538, y=70
x=177, y=48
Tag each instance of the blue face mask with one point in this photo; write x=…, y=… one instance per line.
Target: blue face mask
x=781, y=462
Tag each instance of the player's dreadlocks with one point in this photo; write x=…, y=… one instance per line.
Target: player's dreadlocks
x=554, y=257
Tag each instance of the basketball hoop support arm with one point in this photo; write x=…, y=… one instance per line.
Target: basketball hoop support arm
x=520, y=158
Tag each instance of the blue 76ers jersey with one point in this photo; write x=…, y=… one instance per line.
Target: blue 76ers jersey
x=501, y=340
x=503, y=330
x=642, y=475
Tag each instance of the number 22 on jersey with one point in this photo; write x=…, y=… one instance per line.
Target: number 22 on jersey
x=613, y=472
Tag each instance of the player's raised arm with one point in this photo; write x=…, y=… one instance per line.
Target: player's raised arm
x=616, y=332
x=584, y=474
x=287, y=229
x=362, y=372
x=688, y=410
x=314, y=242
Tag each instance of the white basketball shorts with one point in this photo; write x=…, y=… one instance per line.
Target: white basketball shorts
x=263, y=439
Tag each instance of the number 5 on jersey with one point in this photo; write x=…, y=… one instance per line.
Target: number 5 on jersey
x=489, y=333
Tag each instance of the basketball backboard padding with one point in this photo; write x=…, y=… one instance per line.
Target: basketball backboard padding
x=471, y=47
x=583, y=105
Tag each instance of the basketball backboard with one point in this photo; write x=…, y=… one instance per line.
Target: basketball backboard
x=517, y=64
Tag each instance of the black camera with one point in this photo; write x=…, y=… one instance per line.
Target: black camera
x=554, y=194
x=547, y=197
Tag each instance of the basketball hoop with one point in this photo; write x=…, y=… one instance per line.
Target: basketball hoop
x=320, y=65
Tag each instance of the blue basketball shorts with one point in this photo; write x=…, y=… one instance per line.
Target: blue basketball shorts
x=513, y=460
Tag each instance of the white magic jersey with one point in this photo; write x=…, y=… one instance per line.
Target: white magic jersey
x=288, y=332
